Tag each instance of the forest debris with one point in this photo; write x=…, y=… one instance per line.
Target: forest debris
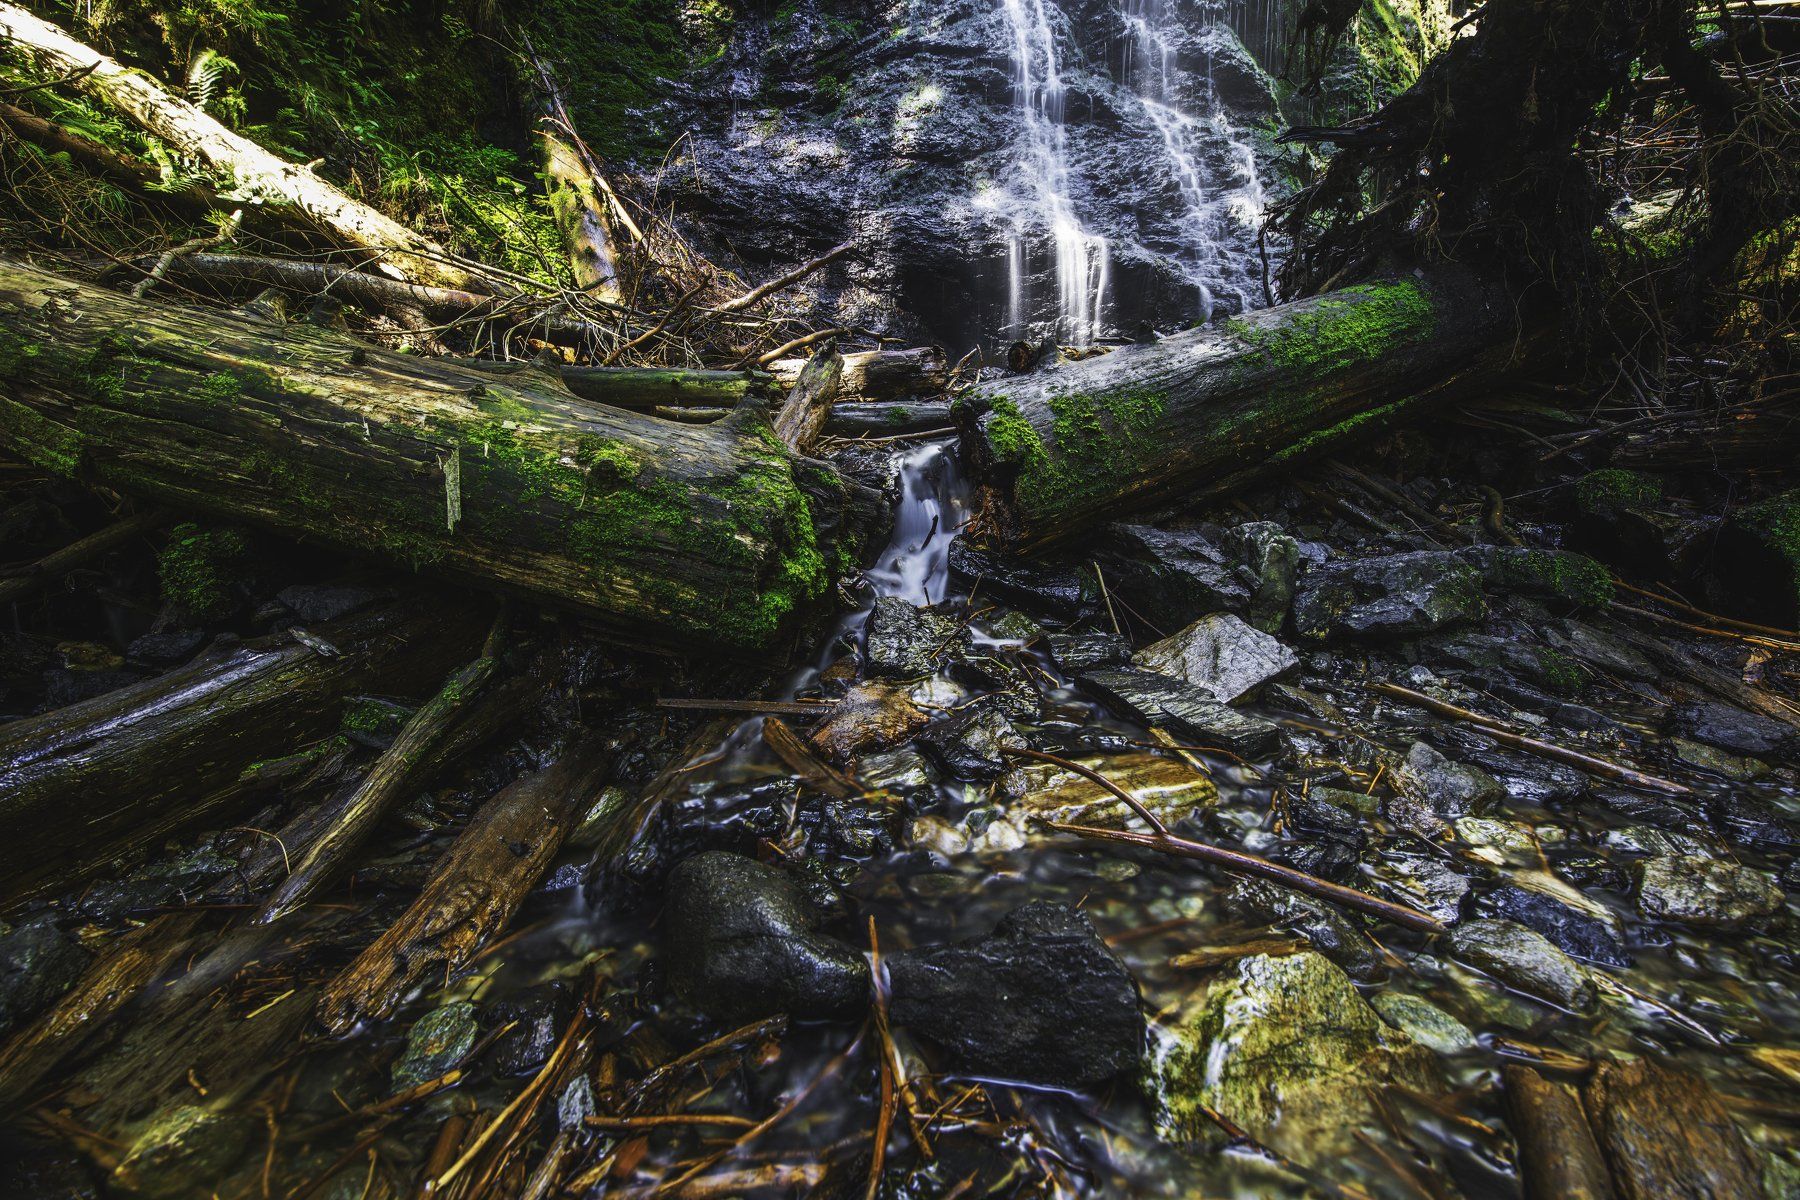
x=808, y=405
x=23, y=581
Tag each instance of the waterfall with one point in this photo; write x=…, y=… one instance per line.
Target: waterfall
x=1083, y=262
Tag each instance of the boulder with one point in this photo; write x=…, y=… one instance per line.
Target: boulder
x=1274, y=560
x=1076, y=652
x=1755, y=564
x=1184, y=711
x=1563, y=575
x=1524, y=960
x=38, y=963
x=1171, y=576
x=1055, y=591
x=436, y=1043
x=1734, y=729
x=1399, y=595
x=1221, y=655
x=1691, y=890
x=743, y=943
x=1287, y=1049
x=1430, y=785
x=906, y=642
x=1580, y=934
x=1040, y=999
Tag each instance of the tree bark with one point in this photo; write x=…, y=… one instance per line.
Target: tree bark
x=875, y=375
x=84, y=785
x=803, y=413
x=275, y=184
x=1205, y=411
x=1557, y=1152
x=673, y=534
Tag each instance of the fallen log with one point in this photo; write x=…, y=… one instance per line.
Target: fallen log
x=1205, y=411
x=275, y=184
x=674, y=534
x=887, y=418
x=84, y=785
x=871, y=376
x=803, y=413
x=473, y=892
x=1557, y=1153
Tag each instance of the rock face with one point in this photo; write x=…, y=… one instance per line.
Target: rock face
x=1525, y=960
x=1040, y=999
x=1221, y=655
x=1290, y=1051
x=1692, y=890
x=1184, y=711
x=1395, y=596
x=742, y=944
x=1734, y=729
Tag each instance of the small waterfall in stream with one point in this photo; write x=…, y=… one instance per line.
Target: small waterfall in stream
x=1083, y=259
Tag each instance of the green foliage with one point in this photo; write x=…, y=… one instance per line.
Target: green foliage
x=1614, y=488
x=197, y=567
x=612, y=58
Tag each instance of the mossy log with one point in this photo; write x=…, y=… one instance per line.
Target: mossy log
x=84, y=785
x=1205, y=411
x=667, y=533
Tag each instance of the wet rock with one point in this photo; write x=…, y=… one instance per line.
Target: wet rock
x=1320, y=813
x=1221, y=655
x=1605, y=654
x=1172, y=576
x=1184, y=711
x=1668, y=1134
x=1505, y=657
x=1524, y=960
x=872, y=716
x=1691, y=890
x=64, y=686
x=972, y=744
x=538, y=1017
x=1425, y=882
x=1053, y=591
x=1394, y=596
x=1424, y=1022
x=1717, y=761
x=1328, y=930
x=168, y=649
x=1734, y=729
x=904, y=772
x=1077, y=652
x=848, y=828
x=436, y=1043
x=1011, y=625
x=1618, y=520
x=313, y=603
x=1040, y=999
x=1755, y=564
x=38, y=963
x=1431, y=785
x=184, y=1147
x=1040, y=791
x=743, y=943
x=1584, y=936
x=1754, y=822
x=176, y=880
x=906, y=642
x=1288, y=1050
x=1274, y=561
x=1562, y=575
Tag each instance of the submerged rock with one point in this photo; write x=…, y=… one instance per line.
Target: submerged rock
x=38, y=963
x=1221, y=655
x=1691, y=890
x=1040, y=999
x=1524, y=960
x=1424, y=1022
x=1184, y=711
x=906, y=642
x=1287, y=1049
x=1328, y=930
x=437, y=1042
x=1432, y=786
x=184, y=1150
x=538, y=1017
x=1584, y=936
x=875, y=715
x=1394, y=596
x=742, y=944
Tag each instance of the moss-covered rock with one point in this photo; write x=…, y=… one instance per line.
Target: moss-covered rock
x=199, y=567
x=1574, y=579
x=1757, y=560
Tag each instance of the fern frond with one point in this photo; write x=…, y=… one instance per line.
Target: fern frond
x=206, y=74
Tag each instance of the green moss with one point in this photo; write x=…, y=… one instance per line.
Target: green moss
x=365, y=715
x=1354, y=326
x=1324, y=439
x=221, y=387
x=1100, y=440
x=1776, y=523
x=1613, y=488
x=1564, y=675
x=16, y=354
x=197, y=567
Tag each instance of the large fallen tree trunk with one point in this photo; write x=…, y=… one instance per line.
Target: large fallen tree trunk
x=672, y=533
x=1204, y=411
x=82, y=785
x=255, y=172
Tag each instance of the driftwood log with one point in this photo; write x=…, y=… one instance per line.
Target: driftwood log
x=1557, y=1153
x=83, y=785
x=1205, y=411
x=669, y=533
x=876, y=375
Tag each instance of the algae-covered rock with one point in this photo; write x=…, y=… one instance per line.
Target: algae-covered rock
x=1563, y=575
x=1424, y=1022
x=185, y=1151
x=1693, y=890
x=1524, y=960
x=1288, y=1049
x=437, y=1041
x=1394, y=596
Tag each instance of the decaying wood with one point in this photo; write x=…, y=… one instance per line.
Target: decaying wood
x=887, y=418
x=1667, y=1135
x=1557, y=1153
x=676, y=534
x=1203, y=412
x=83, y=785
x=190, y=130
x=54, y=566
x=804, y=413
x=580, y=215
x=474, y=891
x=646, y=388
x=873, y=376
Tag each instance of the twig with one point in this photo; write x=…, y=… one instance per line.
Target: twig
x=1733, y=635
x=1714, y=618
x=800, y=272
x=1088, y=773
x=785, y=708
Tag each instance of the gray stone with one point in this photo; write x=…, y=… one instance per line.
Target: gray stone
x=1398, y=595
x=1221, y=655
x=38, y=963
x=1288, y=1050
x=437, y=1042
x=1524, y=960
x=1040, y=999
x=903, y=772
x=1172, y=576
x=1076, y=652
x=1425, y=882
x=184, y=1152
x=1424, y=1022
x=1691, y=890
x=1274, y=561
x=1574, y=579
x=1734, y=729
x=972, y=744
x=742, y=944
x=1327, y=929
x=905, y=642
x=1435, y=785
x=1184, y=711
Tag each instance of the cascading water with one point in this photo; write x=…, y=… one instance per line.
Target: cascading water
x=1083, y=259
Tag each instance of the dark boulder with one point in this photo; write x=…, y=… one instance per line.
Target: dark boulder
x=38, y=963
x=1040, y=999
x=1054, y=591
x=1172, y=576
x=1574, y=932
x=1734, y=729
x=742, y=944
x=1398, y=595
x=537, y=1017
x=1184, y=711
x=906, y=642
x=1574, y=579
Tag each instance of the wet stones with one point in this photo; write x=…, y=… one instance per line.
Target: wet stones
x=1221, y=655
x=1184, y=711
x=181, y=1147
x=1691, y=890
x=1054, y=591
x=1076, y=652
x=38, y=963
x=743, y=943
x=1398, y=595
x=905, y=642
x=1040, y=999
x=1424, y=1022
x=1172, y=575
x=1736, y=730
x=872, y=716
x=1667, y=1133
x=1524, y=960
x=1287, y=1049
x=1577, y=933
x=436, y=1043
x=1433, y=790
x=538, y=1017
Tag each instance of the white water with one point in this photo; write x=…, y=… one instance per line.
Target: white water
x=933, y=506
x=1083, y=259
